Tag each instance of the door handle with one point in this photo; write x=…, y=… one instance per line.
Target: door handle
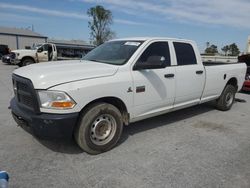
x=199, y=72
x=169, y=75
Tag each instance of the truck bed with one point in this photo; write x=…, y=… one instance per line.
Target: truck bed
x=218, y=73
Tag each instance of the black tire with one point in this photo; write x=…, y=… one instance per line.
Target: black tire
x=226, y=100
x=99, y=128
x=20, y=64
x=27, y=61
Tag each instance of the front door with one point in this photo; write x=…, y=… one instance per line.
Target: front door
x=42, y=53
x=154, y=89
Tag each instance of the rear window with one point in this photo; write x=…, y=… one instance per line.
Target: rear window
x=185, y=54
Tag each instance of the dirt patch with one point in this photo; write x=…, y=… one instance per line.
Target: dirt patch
x=210, y=126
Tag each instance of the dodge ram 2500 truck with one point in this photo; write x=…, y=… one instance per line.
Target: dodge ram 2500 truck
x=39, y=53
x=119, y=82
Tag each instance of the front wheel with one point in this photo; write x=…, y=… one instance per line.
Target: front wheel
x=27, y=61
x=226, y=100
x=99, y=128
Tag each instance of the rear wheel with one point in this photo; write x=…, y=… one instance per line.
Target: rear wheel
x=99, y=128
x=227, y=98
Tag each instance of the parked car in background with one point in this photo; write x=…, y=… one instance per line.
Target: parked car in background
x=246, y=59
x=6, y=59
x=246, y=85
x=4, y=50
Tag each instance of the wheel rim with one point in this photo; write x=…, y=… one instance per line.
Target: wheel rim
x=103, y=129
x=229, y=98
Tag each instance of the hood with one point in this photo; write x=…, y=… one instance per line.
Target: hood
x=45, y=75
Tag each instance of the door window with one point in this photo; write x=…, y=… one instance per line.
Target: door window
x=45, y=47
x=156, y=49
x=185, y=54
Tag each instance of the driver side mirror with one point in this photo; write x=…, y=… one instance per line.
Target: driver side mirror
x=153, y=62
x=39, y=50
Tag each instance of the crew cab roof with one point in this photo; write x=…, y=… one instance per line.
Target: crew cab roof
x=151, y=38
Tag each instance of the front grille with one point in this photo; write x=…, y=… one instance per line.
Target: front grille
x=25, y=93
x=25, y=99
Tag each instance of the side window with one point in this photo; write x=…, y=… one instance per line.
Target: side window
x=45, y=47
x=185, y=54
x=160, y=49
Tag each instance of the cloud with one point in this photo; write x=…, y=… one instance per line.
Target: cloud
x=17, y=17
x=43, y=11
x=216, y=12
x=58, y=13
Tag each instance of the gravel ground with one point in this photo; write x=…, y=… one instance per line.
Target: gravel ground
x=194, y=147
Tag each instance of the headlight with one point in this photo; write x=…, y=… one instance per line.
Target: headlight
x=55, y=100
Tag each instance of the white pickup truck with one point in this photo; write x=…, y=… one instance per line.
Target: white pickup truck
x=39, y=53
x=119, y=82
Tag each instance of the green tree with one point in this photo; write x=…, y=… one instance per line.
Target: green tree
x=233, y=50
x=100, y=22
x=225, y=49
x=212, y=50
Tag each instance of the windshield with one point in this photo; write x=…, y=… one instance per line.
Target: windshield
x=114, y=52
x=36, y=46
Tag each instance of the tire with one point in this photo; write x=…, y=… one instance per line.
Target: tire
x=20, y=64
x=99, y=128
x=226, y=100
x=27, y=61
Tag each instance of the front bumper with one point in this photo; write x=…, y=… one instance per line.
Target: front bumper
x=44, y=125
x=246, y=85
x=15, y=61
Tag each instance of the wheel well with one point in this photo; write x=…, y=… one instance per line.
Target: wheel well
x=118, y=103
x=28, y=57
x=233, y=82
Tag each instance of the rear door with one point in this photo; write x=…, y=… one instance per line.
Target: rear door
x=190, y=75
x=154, y=89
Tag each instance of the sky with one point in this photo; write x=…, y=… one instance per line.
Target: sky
x=220, y=22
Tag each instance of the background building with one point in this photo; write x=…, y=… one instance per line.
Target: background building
x=16, y=38
x=20, y=38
